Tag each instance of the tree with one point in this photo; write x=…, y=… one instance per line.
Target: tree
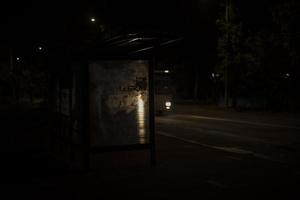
x=286, y=15
x=229, y=49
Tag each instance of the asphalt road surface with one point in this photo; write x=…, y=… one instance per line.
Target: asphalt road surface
x=255, y=153
x=266, y=138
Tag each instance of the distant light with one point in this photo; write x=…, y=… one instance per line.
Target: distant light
x=287, y=75
x=166, y=71
x=18, y=58
x=40, y=48
x=93, y=19
x=213, y=75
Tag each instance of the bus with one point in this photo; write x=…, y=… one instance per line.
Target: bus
x=162, y=91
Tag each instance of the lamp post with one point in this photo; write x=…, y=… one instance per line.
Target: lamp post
x=226, y=78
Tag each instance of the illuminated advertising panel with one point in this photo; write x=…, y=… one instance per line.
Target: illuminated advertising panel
x=119, y=102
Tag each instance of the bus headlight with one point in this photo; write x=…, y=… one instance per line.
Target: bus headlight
x=168, y=104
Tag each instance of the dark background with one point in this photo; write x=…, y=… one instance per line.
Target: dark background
x=58, y=26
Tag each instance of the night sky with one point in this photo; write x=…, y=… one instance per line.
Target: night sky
x=28, y=24
x=45, y=17
x=45, y=20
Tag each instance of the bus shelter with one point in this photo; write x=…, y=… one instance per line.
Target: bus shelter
x=104, y=98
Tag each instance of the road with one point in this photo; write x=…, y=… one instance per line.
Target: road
x=200, y=153
x=264, y=139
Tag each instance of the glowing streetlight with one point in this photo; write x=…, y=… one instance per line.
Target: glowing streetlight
x=40, y=48
x=18, y=58
x=93, y=19
x=166, y=71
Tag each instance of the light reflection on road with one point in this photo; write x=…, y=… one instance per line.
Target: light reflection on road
x=141, y=119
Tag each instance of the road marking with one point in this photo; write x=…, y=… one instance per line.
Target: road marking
x=239, y=121
x=226, y=149
x=206, y=131
x=216, y=184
